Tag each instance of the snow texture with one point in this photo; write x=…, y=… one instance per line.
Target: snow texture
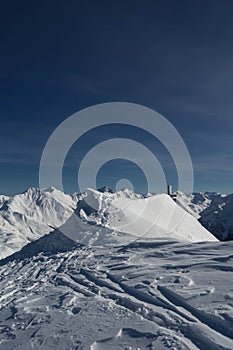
x=122, y=271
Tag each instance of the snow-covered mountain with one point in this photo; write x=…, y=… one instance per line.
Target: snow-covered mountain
x=28, y=216
x=121, y=272
x=214, y=211
x=156, y=216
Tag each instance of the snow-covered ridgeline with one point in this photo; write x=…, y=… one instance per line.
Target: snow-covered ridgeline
x=34, y=213
x=27, y=216
x=214, y=211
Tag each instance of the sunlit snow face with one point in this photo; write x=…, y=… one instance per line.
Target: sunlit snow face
x=70, y=130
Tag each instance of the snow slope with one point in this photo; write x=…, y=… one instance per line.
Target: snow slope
x=27, y=216
x=214, y=211
x=151, y=294
x=106, y=219
x=122, y=272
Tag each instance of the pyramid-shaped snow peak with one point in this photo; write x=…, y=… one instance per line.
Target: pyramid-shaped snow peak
x=156, y=216
x=29, y=215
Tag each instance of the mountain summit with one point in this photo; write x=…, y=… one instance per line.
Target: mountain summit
x=99, y=217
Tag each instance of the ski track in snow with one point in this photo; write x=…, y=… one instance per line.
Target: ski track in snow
x=146, y=295
x=114, y=287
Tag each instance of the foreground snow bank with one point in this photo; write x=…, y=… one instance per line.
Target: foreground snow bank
x=152, y=294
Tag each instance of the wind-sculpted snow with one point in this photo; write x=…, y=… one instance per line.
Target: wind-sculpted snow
x=154, y=216
x=28, y=216
x=147, y=294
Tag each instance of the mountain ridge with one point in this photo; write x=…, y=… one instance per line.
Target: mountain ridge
x=34, y=213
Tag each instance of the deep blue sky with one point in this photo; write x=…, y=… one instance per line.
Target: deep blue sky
x=175, y=56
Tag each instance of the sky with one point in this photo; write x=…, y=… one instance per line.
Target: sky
x=174, y=56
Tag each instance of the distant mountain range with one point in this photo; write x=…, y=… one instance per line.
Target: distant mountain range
x=28, y=216
x=213, y=210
